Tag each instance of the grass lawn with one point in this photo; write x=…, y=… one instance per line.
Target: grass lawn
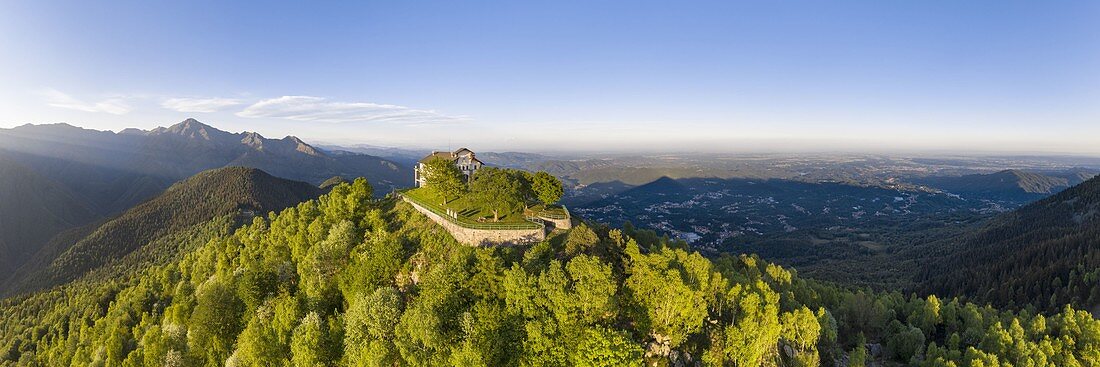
x=553, y=211
x=465, y=208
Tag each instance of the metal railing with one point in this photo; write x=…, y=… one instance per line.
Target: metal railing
x=529, y=224
x=553, y=214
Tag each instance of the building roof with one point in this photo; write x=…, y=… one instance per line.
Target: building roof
x=443, y=155
x=451, y=156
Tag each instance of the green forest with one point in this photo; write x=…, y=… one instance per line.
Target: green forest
x=347, y=280
x=1043, y=255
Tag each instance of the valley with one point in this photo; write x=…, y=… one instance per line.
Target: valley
x=813, y=256
x=849, y=218
x=549, y=183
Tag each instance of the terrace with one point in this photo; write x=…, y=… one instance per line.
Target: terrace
x=465, y=213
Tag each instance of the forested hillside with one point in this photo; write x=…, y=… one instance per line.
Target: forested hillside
x=346, y=280
x=32, y=210
x=61, y=182
x=192, y=202
x=1045, y=254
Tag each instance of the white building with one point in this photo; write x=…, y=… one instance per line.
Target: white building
x=463, y=158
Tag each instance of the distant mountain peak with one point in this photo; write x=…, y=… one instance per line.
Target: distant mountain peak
x=191, y=123
x=302, y=146
x=194, y=129
x=254, y=140
x=56, y=126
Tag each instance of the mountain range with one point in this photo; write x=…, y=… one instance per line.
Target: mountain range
x=61, y=182
x=168, y=154
x=242, y=193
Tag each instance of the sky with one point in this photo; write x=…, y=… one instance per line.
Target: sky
x=686, y=76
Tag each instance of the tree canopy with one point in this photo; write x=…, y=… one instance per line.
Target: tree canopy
x=347, y=281
x=497, y=189
x=442, y=176
x=547, y=188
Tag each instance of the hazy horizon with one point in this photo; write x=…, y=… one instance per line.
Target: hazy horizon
x=851, y=76
x=751, y=148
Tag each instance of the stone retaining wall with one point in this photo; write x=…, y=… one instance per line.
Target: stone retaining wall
x=482, y=237
x=566, y=223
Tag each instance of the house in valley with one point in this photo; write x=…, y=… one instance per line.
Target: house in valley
x=463, y=158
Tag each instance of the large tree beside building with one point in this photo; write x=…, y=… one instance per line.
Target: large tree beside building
x=497, y=189
x=547, y=188
x=444, y=178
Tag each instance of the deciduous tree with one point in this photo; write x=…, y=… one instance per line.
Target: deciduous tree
x=547, y=188
x=443, y=177
x=497, y=189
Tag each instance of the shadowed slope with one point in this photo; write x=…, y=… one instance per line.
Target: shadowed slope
x=32, y=210
x=1046, y=253
x=205, y=196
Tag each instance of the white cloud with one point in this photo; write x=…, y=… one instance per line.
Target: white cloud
x=306, y=108
x=199, y=104
x=56, y=98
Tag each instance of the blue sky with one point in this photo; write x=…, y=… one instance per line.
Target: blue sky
x=563, y=75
